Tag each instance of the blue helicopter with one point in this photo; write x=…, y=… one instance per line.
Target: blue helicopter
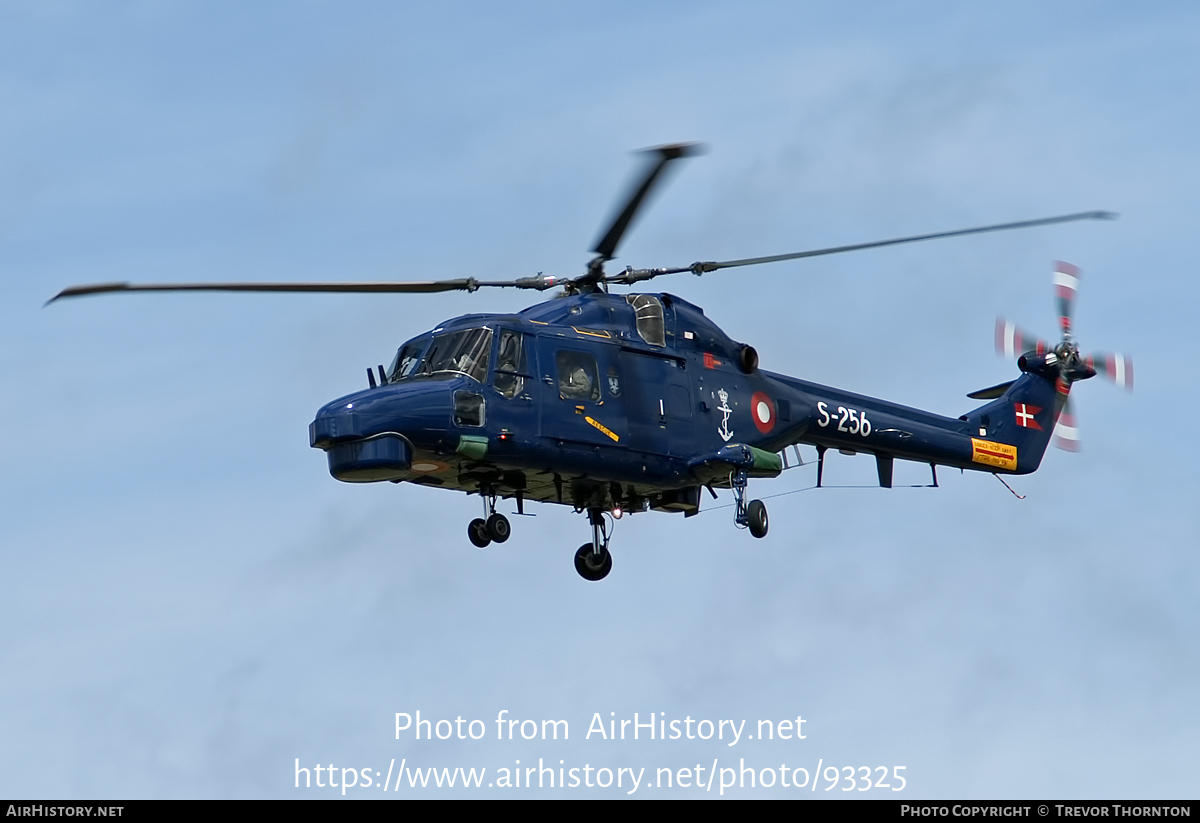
x=623, y=403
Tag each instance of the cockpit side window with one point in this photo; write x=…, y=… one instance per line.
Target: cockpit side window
x=408, y=358
x=648, y=311
x=511, y=369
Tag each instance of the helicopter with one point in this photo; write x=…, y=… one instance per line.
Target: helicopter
x=624, y=403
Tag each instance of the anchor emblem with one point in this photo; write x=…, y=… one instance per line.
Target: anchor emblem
x=725, y=411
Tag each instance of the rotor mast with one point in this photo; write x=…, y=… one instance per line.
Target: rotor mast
x=606, y=246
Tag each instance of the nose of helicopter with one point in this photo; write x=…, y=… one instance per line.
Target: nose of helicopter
x=368, y=436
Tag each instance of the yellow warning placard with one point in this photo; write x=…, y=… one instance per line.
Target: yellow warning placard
x=994, y=454
x=603, y=428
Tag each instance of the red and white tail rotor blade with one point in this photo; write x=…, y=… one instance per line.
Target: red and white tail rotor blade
x=1066, y=285
x=1116, y=367
x=1011, y=342
x=1066, y=431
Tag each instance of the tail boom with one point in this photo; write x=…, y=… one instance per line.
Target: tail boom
x=1008, y=435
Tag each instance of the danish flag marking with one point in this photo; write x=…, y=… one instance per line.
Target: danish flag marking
x=1025, y=416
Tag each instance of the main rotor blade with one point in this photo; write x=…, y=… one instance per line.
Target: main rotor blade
x=636, y=275
x=539, y=283
x=606, y=247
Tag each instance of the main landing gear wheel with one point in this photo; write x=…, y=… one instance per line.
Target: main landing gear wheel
x=753, y=515
x=477, y=531
x=586, y=566
x=756, y=516
x=498, y=528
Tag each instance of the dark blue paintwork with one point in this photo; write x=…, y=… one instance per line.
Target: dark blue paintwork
x=599, y=416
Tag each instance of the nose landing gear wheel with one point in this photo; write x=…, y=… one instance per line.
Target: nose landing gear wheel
x=586, y=566
x=477, y=531
x=756, y=516
x=498, y=528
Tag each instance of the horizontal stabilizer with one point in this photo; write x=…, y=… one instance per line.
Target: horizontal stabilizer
x=992, y=393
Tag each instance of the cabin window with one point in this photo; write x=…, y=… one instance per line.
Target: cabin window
x=468, y=408
x=648, y=312
x=511, y=370
x=578, y=378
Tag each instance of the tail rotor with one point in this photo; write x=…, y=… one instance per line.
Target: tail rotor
x=1066, y=433
x=1071, y=365
x=1066, y=285
x=1116, y=367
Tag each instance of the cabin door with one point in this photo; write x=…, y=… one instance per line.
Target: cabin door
x=583, y=393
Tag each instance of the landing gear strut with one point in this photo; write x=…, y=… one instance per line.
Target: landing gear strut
x=593, y=561
x=753, y=515
x=493, y=527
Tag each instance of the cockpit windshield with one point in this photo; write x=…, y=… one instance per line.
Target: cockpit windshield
x=465, y=352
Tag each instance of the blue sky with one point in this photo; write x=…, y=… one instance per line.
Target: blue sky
x=190, y=602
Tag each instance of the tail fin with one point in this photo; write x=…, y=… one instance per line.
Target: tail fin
x=1024, y=416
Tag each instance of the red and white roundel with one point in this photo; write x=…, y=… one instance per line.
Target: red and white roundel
x=762, y=409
